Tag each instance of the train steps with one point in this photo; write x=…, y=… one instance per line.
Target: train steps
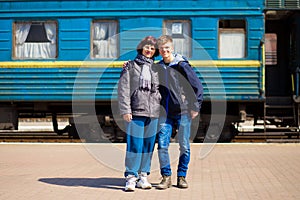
x=268, y=137
x=281, y=111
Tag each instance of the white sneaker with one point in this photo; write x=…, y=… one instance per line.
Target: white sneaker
x=143, y=181
x=130, y=183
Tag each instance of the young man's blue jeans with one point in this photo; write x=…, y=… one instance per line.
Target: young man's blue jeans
x=141, y=135
x=164, y=135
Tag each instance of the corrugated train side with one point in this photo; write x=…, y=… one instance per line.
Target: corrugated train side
x=65, y=57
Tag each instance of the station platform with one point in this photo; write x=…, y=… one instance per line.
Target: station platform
x=74, y=171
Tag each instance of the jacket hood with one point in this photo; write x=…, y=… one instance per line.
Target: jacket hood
x=177, y=59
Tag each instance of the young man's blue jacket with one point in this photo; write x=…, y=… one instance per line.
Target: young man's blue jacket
x=180, y=87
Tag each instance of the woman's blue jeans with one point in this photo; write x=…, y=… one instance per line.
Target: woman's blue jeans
x=141, y=135
x=164, y=135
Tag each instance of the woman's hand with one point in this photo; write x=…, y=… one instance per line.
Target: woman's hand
x=127, y=117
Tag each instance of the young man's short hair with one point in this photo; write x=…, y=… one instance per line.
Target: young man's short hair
x=164, y=39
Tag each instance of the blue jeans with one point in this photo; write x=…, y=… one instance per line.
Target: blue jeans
x=164, y=135
x=141, y=135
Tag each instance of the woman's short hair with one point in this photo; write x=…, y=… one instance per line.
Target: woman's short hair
x=149, y=40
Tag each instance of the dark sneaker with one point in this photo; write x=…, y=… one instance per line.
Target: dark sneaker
x=181, y=182
x=165, y=183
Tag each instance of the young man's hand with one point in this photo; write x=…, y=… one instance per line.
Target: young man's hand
x=194, y=114
x=125, y=63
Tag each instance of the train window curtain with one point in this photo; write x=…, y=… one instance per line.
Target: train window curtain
x=35, y=40
x=180, y=30
x=105, y=39
x=232, y=43
x=232, y=38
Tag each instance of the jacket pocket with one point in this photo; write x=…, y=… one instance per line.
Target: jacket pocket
x=155, y=103
x=139, y=101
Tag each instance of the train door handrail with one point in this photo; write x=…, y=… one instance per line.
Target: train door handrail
x=296, y=96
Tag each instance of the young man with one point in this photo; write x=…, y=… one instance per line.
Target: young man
x=182, y=95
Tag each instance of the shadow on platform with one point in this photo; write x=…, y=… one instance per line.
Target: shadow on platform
x=109, y=183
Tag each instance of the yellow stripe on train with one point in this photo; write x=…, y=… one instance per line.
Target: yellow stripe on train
x=72, y=64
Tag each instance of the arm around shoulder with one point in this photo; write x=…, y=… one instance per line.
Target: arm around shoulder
x=124, y=91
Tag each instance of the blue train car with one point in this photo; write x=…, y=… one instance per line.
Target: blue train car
x=65, y=57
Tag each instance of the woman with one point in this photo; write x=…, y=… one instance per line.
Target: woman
x=139, y=102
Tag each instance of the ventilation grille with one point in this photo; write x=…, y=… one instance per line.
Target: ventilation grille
x=282, y=4
x=291, y=3
x=274, y=4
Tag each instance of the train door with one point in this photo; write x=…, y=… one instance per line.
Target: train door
x=279, y=69
x=277, y=72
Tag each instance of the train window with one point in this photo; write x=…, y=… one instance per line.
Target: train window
x=180, y=30
x=271, y=48
x=35, y=40
x=104, y=39
x=232, y=39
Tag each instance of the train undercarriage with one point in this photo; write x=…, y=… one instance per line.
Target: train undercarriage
x=262, y=117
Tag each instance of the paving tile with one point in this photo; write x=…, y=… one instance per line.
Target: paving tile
x=95, y=171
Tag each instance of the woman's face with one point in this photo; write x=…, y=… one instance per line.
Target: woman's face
x=148, y=50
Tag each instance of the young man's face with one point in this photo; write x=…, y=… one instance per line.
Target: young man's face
x=166, y=50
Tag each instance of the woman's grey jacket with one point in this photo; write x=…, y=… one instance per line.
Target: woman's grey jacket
x=135, y=100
